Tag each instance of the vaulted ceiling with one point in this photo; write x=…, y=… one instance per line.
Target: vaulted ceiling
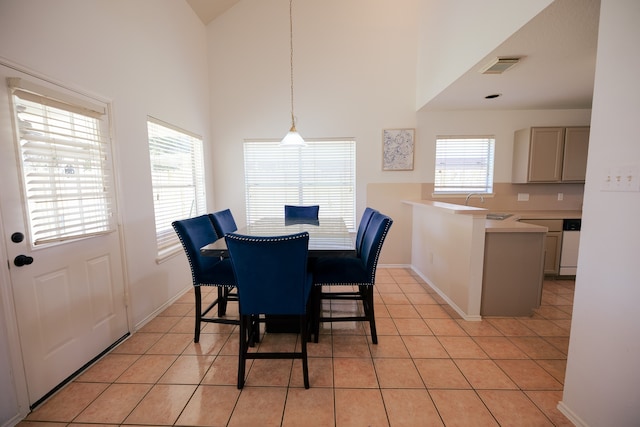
x=557, y=69
x=208, y=10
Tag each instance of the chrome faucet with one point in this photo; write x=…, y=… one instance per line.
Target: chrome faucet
x=466, y=201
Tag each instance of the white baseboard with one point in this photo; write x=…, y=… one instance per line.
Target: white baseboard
x=575, y=419
x=475, y=318
x=160, y=309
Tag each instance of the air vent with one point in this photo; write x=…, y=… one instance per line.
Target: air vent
x=500, y=65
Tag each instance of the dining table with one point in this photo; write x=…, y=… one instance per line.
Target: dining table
x=327, y=237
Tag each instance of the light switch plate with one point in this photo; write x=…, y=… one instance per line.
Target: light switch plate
x=523, y=197
x=621, y=178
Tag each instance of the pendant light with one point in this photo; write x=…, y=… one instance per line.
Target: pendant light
x=292, y=138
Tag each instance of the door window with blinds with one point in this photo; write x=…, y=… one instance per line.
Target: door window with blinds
x=65, y=154
x=177, y=174
x=322, y=173
x=464, y=164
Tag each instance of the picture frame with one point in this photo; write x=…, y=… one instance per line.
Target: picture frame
x=397, y=149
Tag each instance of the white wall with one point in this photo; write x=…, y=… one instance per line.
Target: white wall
x=447, y=250
x=352, y=80
x=354, y=75
x=465, y=31
x=149, y=58
x=602, y=384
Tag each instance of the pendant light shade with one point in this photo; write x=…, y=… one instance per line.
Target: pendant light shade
x=292, y=138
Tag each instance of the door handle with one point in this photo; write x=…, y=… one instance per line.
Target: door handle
x=21, y=260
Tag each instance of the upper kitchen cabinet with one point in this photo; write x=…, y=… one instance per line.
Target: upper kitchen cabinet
x=576, y=146
x=550, y=154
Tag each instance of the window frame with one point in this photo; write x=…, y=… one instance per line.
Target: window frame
x=484, y=181
x=323, y=176
x=63, y=142
x=187, y=148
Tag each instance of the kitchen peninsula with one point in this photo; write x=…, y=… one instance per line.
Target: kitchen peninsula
x=481, y=267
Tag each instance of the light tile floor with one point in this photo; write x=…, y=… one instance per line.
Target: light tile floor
x=430, y=368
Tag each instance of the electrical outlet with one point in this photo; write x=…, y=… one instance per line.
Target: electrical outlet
x=523, y=197
x=560, y=197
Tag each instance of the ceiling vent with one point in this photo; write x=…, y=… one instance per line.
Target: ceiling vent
x=500, y=65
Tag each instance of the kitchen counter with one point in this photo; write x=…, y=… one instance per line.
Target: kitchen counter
x=507, y=225
x=513, y=224
x=473, y=262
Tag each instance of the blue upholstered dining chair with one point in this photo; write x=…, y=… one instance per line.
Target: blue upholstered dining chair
x=195, y=233
x=223, y=222
x=301, y=212
x=364, y=222
x=356, y=274
x=272, y=279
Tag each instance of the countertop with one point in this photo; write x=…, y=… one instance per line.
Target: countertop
x=511, y=224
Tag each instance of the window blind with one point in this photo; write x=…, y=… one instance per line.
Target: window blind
x=464, y=165
x=65, y=159
x=322, y=173
x=177, y=174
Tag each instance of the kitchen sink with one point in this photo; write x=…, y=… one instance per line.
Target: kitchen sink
x=498, y=216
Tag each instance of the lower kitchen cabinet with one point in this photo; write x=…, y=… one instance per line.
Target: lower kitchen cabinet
x=513, y=273
x=553, y=245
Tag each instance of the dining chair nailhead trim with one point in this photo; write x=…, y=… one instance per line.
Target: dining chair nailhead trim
x=372, y=278
x=193, y=274
x=266, y=239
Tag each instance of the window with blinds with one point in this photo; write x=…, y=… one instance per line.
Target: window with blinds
x=322, y=173
x=177, y=174
x=65, y=155
x=464, y=164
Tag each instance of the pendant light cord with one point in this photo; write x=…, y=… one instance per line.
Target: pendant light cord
x=293, y=124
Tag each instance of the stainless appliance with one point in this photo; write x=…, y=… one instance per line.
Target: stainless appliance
x=570, y=244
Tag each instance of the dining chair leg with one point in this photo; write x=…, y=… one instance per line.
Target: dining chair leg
x=253, y=331
x=316, y=303
x=196, y=335
x=303, y=340
x=242, y=351
x=367, y=302
x=223, y=293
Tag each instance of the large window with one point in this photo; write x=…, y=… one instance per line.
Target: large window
x=464, y=164
x=177, y=173
x=65, y=158
x=322, y=173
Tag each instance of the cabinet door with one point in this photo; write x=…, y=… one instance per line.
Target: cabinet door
x=576, y=146
x=552, y=254
x=553, y=243
x=545, y=155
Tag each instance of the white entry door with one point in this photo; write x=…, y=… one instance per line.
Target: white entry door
x=69, y=294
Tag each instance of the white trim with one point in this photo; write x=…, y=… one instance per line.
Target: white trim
x=572, y=416
x=25, y=70
x=19, y=385
x=474, y=318
x=157, y=311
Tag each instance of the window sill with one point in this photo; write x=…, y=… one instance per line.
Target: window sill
x=168, y=253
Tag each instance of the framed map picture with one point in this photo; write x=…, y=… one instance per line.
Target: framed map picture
x=397, y=149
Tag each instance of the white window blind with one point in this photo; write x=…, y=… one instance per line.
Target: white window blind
x=464, y=164
x=65, y=155
x=322, y=173
x=177, y=174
